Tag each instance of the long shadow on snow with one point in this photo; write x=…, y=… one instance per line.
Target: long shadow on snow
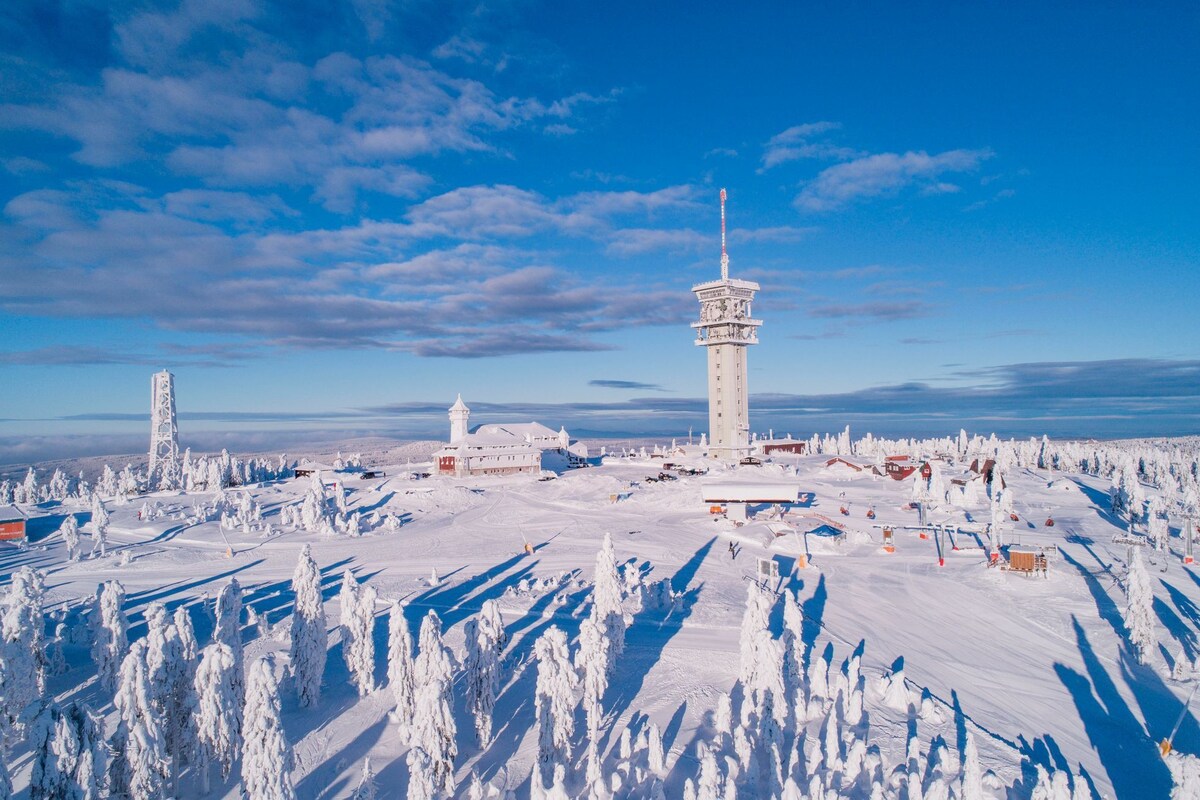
x=1174, y=625
x=644, y=643
x=515, y=703
x=1127, y=753
x=1101, y=501
x=322, y=780
x=814, y=611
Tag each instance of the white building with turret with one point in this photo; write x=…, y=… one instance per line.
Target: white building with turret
x=503, y=448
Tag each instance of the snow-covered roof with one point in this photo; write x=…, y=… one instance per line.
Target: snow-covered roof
x=534, y=430
x=313, y=466
x=10, y=513
x=459, y=405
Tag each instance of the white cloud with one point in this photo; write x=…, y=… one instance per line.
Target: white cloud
x=883, y=174
x=797, y=142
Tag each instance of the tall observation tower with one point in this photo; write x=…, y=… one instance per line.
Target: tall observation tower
x=164, y=432
x=726, y=329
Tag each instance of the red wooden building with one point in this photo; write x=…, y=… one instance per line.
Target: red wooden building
x=12, y=524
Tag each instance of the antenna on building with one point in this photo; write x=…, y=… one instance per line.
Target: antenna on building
x=724, y=255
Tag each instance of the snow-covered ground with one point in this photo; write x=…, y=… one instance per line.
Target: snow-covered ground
x=1037, y=670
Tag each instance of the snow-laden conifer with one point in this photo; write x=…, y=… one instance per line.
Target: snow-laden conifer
x=100, y=522
x=69, y=530
x=554, y=701
x=110, y=632
x=422, y=785
x=607, y=600
x=485, y=639
x=360, y=648
x=366, y=783
x=266, y=754
x=972, y=772
x=1139, y=608
x=433, y=723
x=218, y=713
x=591, y=663
x=171, y=676
x=70, y=755
x=400, y=668
x=22, y=644
x=755, y=624
x=141, y=764
x=228, y=630
x=309, y=637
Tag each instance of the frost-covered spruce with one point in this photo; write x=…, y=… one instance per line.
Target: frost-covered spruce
x=170, y=675
x=69, y=530
x=972, y=772
x=366, y=783
x=433, y=723
x=100, y=524
x=400, y=667
x=266, y=754
x=110, y=636
x=309, y=637
x=228, y=630
x=1139, y=607
x=69, y=755
x=793, y=642
x=218, y=713
x=141, y=764
x=554, y=701
x=485, y=639
x=607, y=600
x=360, y=649
x=591, y=663
x=1185, y=773
x=421, y=782
x=22, y=644
x=348, y=601
x=755, y=624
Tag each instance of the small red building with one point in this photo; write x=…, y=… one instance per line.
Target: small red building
x=783, y=446
x=897, y=470
x=12, y=524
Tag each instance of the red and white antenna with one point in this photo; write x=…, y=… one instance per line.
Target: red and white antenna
x=724, y=255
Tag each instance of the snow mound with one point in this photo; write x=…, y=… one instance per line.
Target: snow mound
x=1063, y=485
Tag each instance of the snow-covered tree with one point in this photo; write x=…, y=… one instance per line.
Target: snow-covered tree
x=228, y=630
x=433, y=723
x=422, y=785
x=360, y=649
x=366, y=783
x=1185, y=774
x=69, y=530
x=755, y=624
x=22, y=645
x=607, y=600
x=266, y=754
x=110, y=633
x=591, y=663
x=972, y=772
x=400, y=667
x=554, y=701
x=141, y=765
x=485, y=640
x=218, y=712
x=1139, y=607
x=100, y=524
x=792, y=641
x=309, y=636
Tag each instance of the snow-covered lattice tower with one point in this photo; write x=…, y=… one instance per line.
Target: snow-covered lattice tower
x=726, y=328
x=164, y=433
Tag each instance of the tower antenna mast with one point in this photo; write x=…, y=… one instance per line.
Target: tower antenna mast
x=724, y=255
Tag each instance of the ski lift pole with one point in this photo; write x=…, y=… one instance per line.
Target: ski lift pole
x=1164, y=747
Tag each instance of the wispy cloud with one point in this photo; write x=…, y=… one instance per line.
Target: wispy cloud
x=884, y=311
x=884, y=174
x=627, y=385
x=801, y=142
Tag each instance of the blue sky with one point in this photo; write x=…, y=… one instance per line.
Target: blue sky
x=336, y=216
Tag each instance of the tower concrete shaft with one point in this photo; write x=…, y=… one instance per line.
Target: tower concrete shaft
x=164, y=432
x=726, y=328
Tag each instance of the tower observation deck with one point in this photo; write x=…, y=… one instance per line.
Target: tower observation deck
x=726, y=328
